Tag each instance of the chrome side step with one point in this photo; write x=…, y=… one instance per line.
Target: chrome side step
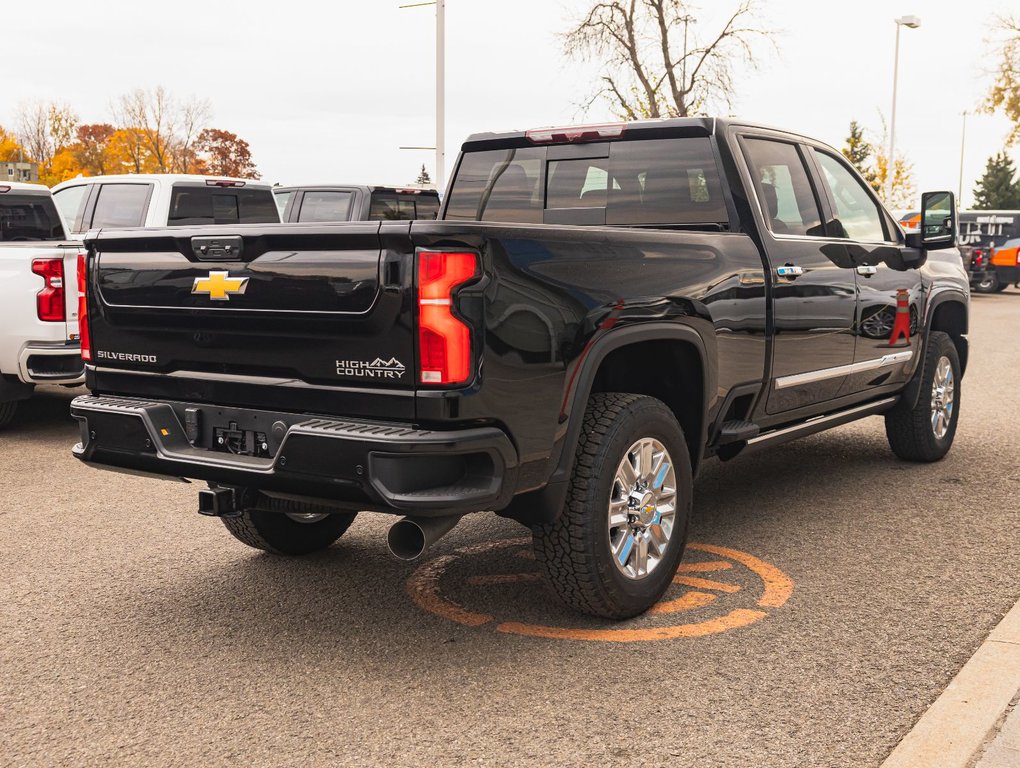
x=818, y=424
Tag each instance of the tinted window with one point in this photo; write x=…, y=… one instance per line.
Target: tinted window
x=326, y=206
x=499, y=185
x=427, y=207
x=389, y=206
x=783, y=188
x=191, y=205
x=661, y=182
x=29, y=217
x=281, y=200
x=121, y=205
x=69, y=202
x=857, y=215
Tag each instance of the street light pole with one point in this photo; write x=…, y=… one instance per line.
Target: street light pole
x=440, y=93
x=963, y=140
x=913, y=23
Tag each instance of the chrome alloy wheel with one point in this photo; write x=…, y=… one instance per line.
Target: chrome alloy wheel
x=642, y=508
x=943, y=393
x=307, y=517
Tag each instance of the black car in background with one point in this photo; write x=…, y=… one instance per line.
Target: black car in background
x=349, y=202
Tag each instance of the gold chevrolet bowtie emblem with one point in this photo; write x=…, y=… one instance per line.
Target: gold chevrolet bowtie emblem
x=219, y=285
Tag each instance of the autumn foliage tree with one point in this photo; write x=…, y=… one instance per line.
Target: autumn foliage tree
x=1004, y=94
x=222, y=153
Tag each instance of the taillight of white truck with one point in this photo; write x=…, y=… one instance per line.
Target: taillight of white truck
x=50, y=300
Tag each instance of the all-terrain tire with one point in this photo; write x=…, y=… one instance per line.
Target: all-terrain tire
x=268, y=525
x=575, y=552
x=7, y=411
x=910, y=430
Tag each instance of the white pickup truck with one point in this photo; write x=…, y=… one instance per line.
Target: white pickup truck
x=39, y=341
x=162, y=200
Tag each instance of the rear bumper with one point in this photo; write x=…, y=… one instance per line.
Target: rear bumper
x=41, y=363
x=353, y=464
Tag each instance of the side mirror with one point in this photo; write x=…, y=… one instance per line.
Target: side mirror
x=938, y=222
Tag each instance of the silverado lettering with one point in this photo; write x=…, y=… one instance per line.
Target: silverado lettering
x=597, y=311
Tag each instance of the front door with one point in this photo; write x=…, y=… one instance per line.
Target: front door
x=890, y=293
x=814, y=284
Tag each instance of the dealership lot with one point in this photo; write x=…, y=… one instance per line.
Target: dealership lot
x=135, y=630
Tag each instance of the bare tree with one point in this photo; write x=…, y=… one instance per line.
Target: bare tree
x=657, y=63
x=194, y=114
x=33, y=131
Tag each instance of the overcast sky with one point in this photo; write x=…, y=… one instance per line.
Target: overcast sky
x=328, y=91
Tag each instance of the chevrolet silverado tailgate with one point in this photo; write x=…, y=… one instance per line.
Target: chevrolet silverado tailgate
x=295, y=317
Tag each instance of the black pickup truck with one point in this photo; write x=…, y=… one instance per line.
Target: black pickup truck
x=597, y=312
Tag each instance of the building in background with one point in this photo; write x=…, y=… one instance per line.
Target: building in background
x=15, y=171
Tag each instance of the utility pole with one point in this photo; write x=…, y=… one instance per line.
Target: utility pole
x=912, y=22
x=440, y=146
x=963, y=140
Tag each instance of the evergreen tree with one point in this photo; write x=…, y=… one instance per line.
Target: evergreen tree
x=998, y=188
x=423, y=177
x=858, y=151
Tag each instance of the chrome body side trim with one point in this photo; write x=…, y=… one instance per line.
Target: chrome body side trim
x=810, y=377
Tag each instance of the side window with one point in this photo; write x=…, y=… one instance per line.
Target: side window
x=783, y=188
x=69, y=201
x=121, y=205
x=281, y=200
x=325, y=206
x=857, y=215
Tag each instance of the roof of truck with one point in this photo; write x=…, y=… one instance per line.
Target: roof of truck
x=20, y=186
x=170, y=178
x=620, y=130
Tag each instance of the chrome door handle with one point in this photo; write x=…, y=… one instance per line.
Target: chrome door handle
x=867, y=271
x=789, y=271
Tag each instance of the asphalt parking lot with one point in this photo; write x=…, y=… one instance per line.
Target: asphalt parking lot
x=831, y=595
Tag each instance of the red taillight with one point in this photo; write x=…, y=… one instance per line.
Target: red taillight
x=979, y=257
x=444, y=341
x=83, y=312
x=223, y=183
x=50, y=300
x=572, y=133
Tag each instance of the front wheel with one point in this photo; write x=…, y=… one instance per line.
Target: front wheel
x=618, y=542
x=925, y=432
x=288, y=528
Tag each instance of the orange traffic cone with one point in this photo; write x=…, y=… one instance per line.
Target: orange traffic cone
x=901, y=327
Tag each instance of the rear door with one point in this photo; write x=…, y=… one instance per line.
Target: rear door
x=814, y=286
x=283, y=317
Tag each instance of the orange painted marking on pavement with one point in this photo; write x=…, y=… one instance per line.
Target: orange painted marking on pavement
x=740, y=617
x=719, y=586
x=423, y=587
x=711, y=565
x=778, y=586
x=497, y=579
x=686, y=602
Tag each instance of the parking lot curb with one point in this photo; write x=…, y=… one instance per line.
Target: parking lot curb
x=957, y=725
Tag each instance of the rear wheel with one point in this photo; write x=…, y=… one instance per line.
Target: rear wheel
x=7, y=411
x=988, y=284
x=925, y=432
x=287, y=527
x=1003, y=285
x=617, y=544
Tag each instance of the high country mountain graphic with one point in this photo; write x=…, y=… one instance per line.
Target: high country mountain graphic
x=391, y=363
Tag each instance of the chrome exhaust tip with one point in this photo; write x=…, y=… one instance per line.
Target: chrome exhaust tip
x=409, y=537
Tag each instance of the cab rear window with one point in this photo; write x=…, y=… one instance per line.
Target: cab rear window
x=660, y=182
x=387, y=206
x=194, y=205
x=29, y=217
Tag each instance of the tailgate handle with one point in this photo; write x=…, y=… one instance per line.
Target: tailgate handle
x=218, y=248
